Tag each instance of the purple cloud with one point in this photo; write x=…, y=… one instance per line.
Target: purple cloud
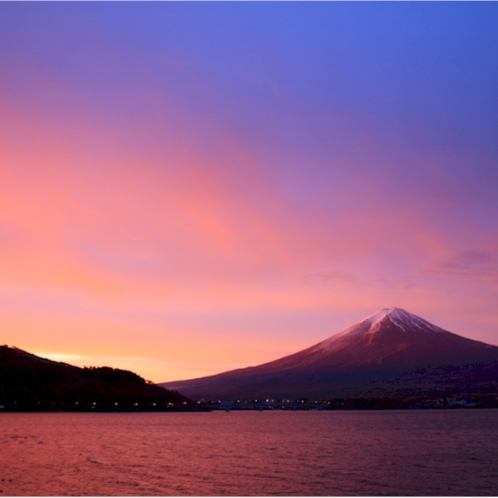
x=474, y=264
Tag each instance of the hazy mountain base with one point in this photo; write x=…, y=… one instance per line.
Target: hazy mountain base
x=28, y=382
x=446, y=380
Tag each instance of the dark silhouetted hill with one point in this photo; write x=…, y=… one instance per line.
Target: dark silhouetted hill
x=28, y=382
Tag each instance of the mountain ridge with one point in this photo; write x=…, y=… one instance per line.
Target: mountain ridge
x=380, y=354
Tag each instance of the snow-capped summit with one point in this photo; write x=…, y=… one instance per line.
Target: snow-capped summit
x=394, y=320
x=386, y=346
x=383, y=313
x=400, y=317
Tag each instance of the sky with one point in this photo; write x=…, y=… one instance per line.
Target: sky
x=189, y=188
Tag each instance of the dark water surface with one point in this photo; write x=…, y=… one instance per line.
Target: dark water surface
x=250, y=453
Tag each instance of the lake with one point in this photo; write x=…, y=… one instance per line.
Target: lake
x=426, y=452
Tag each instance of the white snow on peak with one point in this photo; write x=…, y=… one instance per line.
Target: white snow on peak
x=379, y=316
x=399, y=317
x=372, y=324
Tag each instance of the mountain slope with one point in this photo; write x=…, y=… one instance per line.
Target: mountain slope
x=28, y=382
x=389, y=352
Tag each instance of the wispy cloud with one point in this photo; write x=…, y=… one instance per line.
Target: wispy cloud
x=474, y=264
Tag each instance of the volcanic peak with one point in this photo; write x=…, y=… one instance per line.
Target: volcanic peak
x=400, y=318
x=383, y=314
x=371, y=325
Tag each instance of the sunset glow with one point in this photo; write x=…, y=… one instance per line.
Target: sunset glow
x=188, y=188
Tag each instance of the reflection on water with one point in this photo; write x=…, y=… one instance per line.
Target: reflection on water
x=247, y=453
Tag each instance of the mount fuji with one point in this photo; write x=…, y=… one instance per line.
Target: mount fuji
x=391, y=352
